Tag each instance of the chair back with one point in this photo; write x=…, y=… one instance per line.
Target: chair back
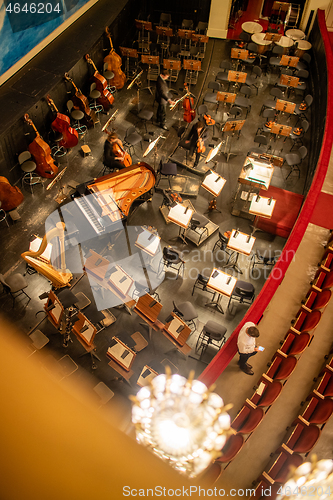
x=202, y=279
x=24, y=156
x=269, y=113
x=176, y=310
x=277, y=49
x=165, y=18
x=70, y=105
x=261, y=139
x=246, y=90
x=187, y=24
x=201, y=26
x=246, y=37
x=303, y=152
x=225, y=65
x=307, y=58
x=4, y=283
x=302, y=73
x=308, y=99
x=276, y=92
x=245, y=294
x=257, y=70
x=202, y=109
x=214, y=86
x=252, y=47
x=130, y=131
x=170, y=255
x=224, y=240
x=235, y=112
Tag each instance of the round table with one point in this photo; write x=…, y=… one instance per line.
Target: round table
x=295, y=34
x=252, y=27
x=302, y=47
x=259, y=39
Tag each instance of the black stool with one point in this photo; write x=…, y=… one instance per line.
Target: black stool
x=57, y=150
x=212, y=333
x=167, y=170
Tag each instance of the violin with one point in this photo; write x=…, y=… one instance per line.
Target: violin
x=209, y=120
x=212, y=205
x=201, y=148
x=10, y=196
x=106, y=99
x=302, y=106
x=113, y=61
x=298, y=131
x=81, y=102
x=189, y=111
x=61, y=124
x=41, y=153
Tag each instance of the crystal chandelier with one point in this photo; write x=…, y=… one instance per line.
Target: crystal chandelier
x=181, y=421
x=310, y=480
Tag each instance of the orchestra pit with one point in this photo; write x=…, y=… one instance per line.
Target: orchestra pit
x=166, y=178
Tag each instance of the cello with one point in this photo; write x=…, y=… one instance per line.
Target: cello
x=41, y=153
x=113, y=61
x=118, y=151
x=81, y=102
x=189, y=111
x=106, y=99
x=61, y=124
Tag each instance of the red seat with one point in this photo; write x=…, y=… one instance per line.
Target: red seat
x=307, y=321
x=282, y=465
x=282, y=368
x=322, y=299
x=325, y=387
x=232, y=446
x=269, y=395
x=303, y=438
x=318, y=411
x=247, y=420
x=210, y=475
x=328, y=281
x=296, y=344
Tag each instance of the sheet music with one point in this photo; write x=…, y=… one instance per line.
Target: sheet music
x=219, y=282
x=179, y=215
x=262, y=207
x=144, y=380
x=56, y=312
x=117, y=351
x=259, y=173
x=241, y=243
x=88, y=333
x=120, y=280
x=174, y=325
x=148, y=241
x=214, y=183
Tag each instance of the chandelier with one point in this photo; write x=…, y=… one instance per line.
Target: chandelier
x=181, y=421
x=310, y=480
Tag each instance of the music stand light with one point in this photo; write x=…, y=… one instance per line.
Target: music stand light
x=151, y=146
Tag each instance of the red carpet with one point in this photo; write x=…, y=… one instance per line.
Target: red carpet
x=323, y=211
x=252, y=13
x=285, y=213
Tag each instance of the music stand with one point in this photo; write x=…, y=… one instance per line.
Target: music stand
x=261, y=206
x=213, y=183
x=239, y=54
x=144, y=25
x=128, y=52
x=290, y=61
x=201, y=41
x=272, y=37
x=148, y=59
x=180, y=215
x=240, y=243
x=85, y=333
x=153, y=145
x=231, y=126
x=191, y=66
x=174, y=66
x=165, y=33
x=285, y=107
x=225, y=97
x=236, y=77
x=280, y=7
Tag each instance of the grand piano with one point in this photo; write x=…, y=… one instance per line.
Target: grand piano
x=109, y=199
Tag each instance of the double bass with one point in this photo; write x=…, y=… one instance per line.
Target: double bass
x=81, y=102
x=119, y=152
x=41, y=153
x=106, y=99
x=10, y=196
x=62, y=124
x=188, y=103
x=113, y=61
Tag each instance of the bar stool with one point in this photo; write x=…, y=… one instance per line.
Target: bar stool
x=77, y=115
x=3, y=215
x=108, y=74
x=212, y=333
x=94, y=95
x=56, y=150
x=166, y=170
x=28, y=166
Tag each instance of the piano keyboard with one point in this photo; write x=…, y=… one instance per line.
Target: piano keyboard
x=90, y=213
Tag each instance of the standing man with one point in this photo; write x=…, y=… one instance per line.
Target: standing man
x=162, y=97
x=246, y=344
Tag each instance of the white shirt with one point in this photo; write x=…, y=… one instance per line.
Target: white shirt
x=245, y=343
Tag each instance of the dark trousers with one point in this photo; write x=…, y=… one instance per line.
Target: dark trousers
x=161, y=114
x=197, y=156
x=243, y=357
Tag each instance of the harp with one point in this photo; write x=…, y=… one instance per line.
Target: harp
x=58, y=277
